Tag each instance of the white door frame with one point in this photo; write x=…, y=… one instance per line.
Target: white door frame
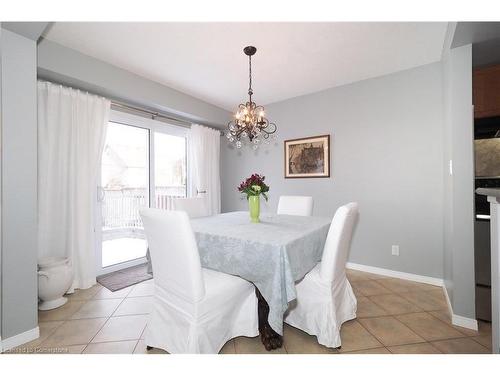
x=152, y=126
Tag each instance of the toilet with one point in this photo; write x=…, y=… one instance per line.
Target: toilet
x=55, y=276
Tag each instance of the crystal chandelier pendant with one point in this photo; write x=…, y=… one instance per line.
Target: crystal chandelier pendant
x=249, y=123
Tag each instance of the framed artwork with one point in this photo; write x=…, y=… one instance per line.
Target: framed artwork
x=307, y=157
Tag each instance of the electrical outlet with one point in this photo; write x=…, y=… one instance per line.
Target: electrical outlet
x=395, y=250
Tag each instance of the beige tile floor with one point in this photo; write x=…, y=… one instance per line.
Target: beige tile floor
x=394, y=316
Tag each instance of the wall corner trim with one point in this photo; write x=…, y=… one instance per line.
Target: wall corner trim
x=397, y=274
x=448, y=37
x=19, y=339
x=459, y=320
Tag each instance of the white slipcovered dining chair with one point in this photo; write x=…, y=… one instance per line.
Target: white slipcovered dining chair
x=195, y=310
x=325, y=298
x=295, y=205
x=194, y=207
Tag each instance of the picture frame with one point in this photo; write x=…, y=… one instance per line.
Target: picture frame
x=307, y=157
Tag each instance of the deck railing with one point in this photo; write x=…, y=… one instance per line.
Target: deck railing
x=120, y=208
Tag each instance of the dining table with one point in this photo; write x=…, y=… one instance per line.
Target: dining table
x=273, y=254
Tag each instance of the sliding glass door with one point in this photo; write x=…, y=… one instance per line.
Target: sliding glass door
x=144, y=164
x=125, y=190
x=170, y=167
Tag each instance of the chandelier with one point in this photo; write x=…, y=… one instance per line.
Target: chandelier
x=249, y=122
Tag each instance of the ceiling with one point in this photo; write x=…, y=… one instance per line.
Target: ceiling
x=485, y=40
x=475, y=32
x=206, y=60
x=30, y=30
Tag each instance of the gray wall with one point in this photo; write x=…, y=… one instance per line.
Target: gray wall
x=19, y=184
x=459, y=186
x=64, y=65
x=447, y=178
x=386, y=154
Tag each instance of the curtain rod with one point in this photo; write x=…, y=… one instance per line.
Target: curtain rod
x=154, y=115
x=123, y=105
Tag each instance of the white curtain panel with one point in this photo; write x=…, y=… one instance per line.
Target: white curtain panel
x=71, y=134
x=204, y=146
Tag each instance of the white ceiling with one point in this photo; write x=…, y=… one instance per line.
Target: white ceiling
x=206, y=60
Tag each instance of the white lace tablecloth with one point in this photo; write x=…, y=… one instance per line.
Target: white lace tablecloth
x=272, y=254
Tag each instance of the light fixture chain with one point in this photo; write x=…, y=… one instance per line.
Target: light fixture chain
x=250, y=91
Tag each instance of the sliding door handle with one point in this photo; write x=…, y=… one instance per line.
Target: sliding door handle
x=100, y=194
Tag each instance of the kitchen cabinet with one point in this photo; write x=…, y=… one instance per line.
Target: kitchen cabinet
x=486, y=91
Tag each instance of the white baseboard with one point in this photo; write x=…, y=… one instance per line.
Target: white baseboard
x=464, y=322
x=19, y=339
x=457, y=320
x=396, y=274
